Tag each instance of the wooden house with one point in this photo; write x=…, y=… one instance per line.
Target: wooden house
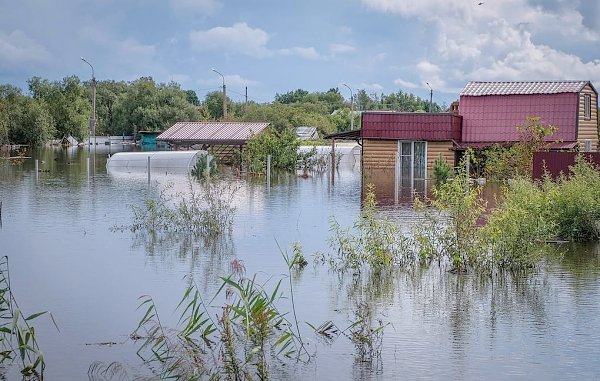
x=491, y=111
x=487, y=113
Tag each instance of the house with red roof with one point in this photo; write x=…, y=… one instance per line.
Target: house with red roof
x=488, y=113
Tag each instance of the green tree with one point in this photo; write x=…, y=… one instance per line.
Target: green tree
x=10, y=98
x=281, y=145
x=296, y=96
x=213, y=104
x=33, y=123
x=107, y=94
x=67, y=103
x=151, y=107
x=192, y=97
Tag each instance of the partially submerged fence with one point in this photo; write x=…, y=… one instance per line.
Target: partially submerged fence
x=555, y=163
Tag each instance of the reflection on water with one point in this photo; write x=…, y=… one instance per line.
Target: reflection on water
x=56, y=227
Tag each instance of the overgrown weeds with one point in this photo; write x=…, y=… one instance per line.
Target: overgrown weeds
x=574, y=201
x=371, y=241
x=18, y=341
x=206, y=165
x=207, y=211
x=237, y=344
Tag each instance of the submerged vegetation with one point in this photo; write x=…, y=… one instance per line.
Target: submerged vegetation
x=239, y=344
x=457, y=230
x=250, y=335
x=207, y=211
x=18, y=341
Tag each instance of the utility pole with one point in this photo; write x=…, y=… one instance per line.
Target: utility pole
x=93, y=118
x=430, y=97
x=351, y=107
x=224, y=95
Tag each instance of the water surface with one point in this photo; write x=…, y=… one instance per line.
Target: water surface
x=64, y=257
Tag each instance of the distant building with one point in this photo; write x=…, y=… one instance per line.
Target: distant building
x=307, y=133
x=148, y=137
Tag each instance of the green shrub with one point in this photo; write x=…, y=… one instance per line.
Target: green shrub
x=441, y=170
x=575, y=202
x=199, y=169
x=282, y=146
x=519, y=227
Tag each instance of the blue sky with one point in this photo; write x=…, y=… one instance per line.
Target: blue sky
x=277, y=46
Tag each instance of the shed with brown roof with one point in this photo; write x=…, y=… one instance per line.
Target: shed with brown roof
x=219, y=138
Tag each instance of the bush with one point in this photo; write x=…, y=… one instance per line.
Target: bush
x=441, y=170
x=575, y=202
x=518, y=228
x=282, y=146
x=199, y=169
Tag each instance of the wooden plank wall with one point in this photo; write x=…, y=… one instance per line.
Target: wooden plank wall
x=379, y=154
x=588, y=129
x=434, y=149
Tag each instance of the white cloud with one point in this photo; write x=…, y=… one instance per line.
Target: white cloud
x=239, y=38
x=498, y=40
x=134, y=49
x=406, y=84
x=231, y=80
x=308, y=53
x=235, y=80
x=370, y=86
x=16, y=48
x=341, y=48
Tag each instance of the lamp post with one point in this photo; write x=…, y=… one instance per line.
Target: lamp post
x=351, y=107
x=224, y=95
x=93, y=118
x=430, y=96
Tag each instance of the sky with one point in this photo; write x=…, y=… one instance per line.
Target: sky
x=270, y=47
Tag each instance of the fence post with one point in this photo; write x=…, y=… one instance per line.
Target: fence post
x=468, y=172
x=148, y=169
x=269, y=170
x=207, y=166
x=396, y=176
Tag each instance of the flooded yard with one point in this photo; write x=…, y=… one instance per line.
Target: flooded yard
x=65, y=257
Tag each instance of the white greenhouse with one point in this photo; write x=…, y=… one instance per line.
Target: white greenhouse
x=164, y=161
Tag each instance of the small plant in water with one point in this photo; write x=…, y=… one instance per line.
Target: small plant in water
x=17, y=336
x=207, y=211
x=202, y=168
x=238, y=346
x=372, y=241
x=441, y=170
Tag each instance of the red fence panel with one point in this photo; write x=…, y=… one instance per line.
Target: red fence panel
x=556, y=163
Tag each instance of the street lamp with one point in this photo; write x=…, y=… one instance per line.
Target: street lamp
x=93, y=118
x=430, y=97
x=224, y=95
x=351, y=107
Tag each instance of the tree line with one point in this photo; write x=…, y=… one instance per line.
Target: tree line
x=57, y=109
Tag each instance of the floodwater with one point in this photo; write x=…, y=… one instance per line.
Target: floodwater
x=64, y=257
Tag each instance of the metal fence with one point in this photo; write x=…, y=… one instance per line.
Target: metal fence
x=555, y=163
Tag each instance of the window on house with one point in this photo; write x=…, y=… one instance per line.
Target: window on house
x=413, y=161
x=587, y=107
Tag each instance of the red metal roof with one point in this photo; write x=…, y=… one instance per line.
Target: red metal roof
x=480, y=145
x=232, y=133
x=515, y=88
x=495, y=118
x=411, y=126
